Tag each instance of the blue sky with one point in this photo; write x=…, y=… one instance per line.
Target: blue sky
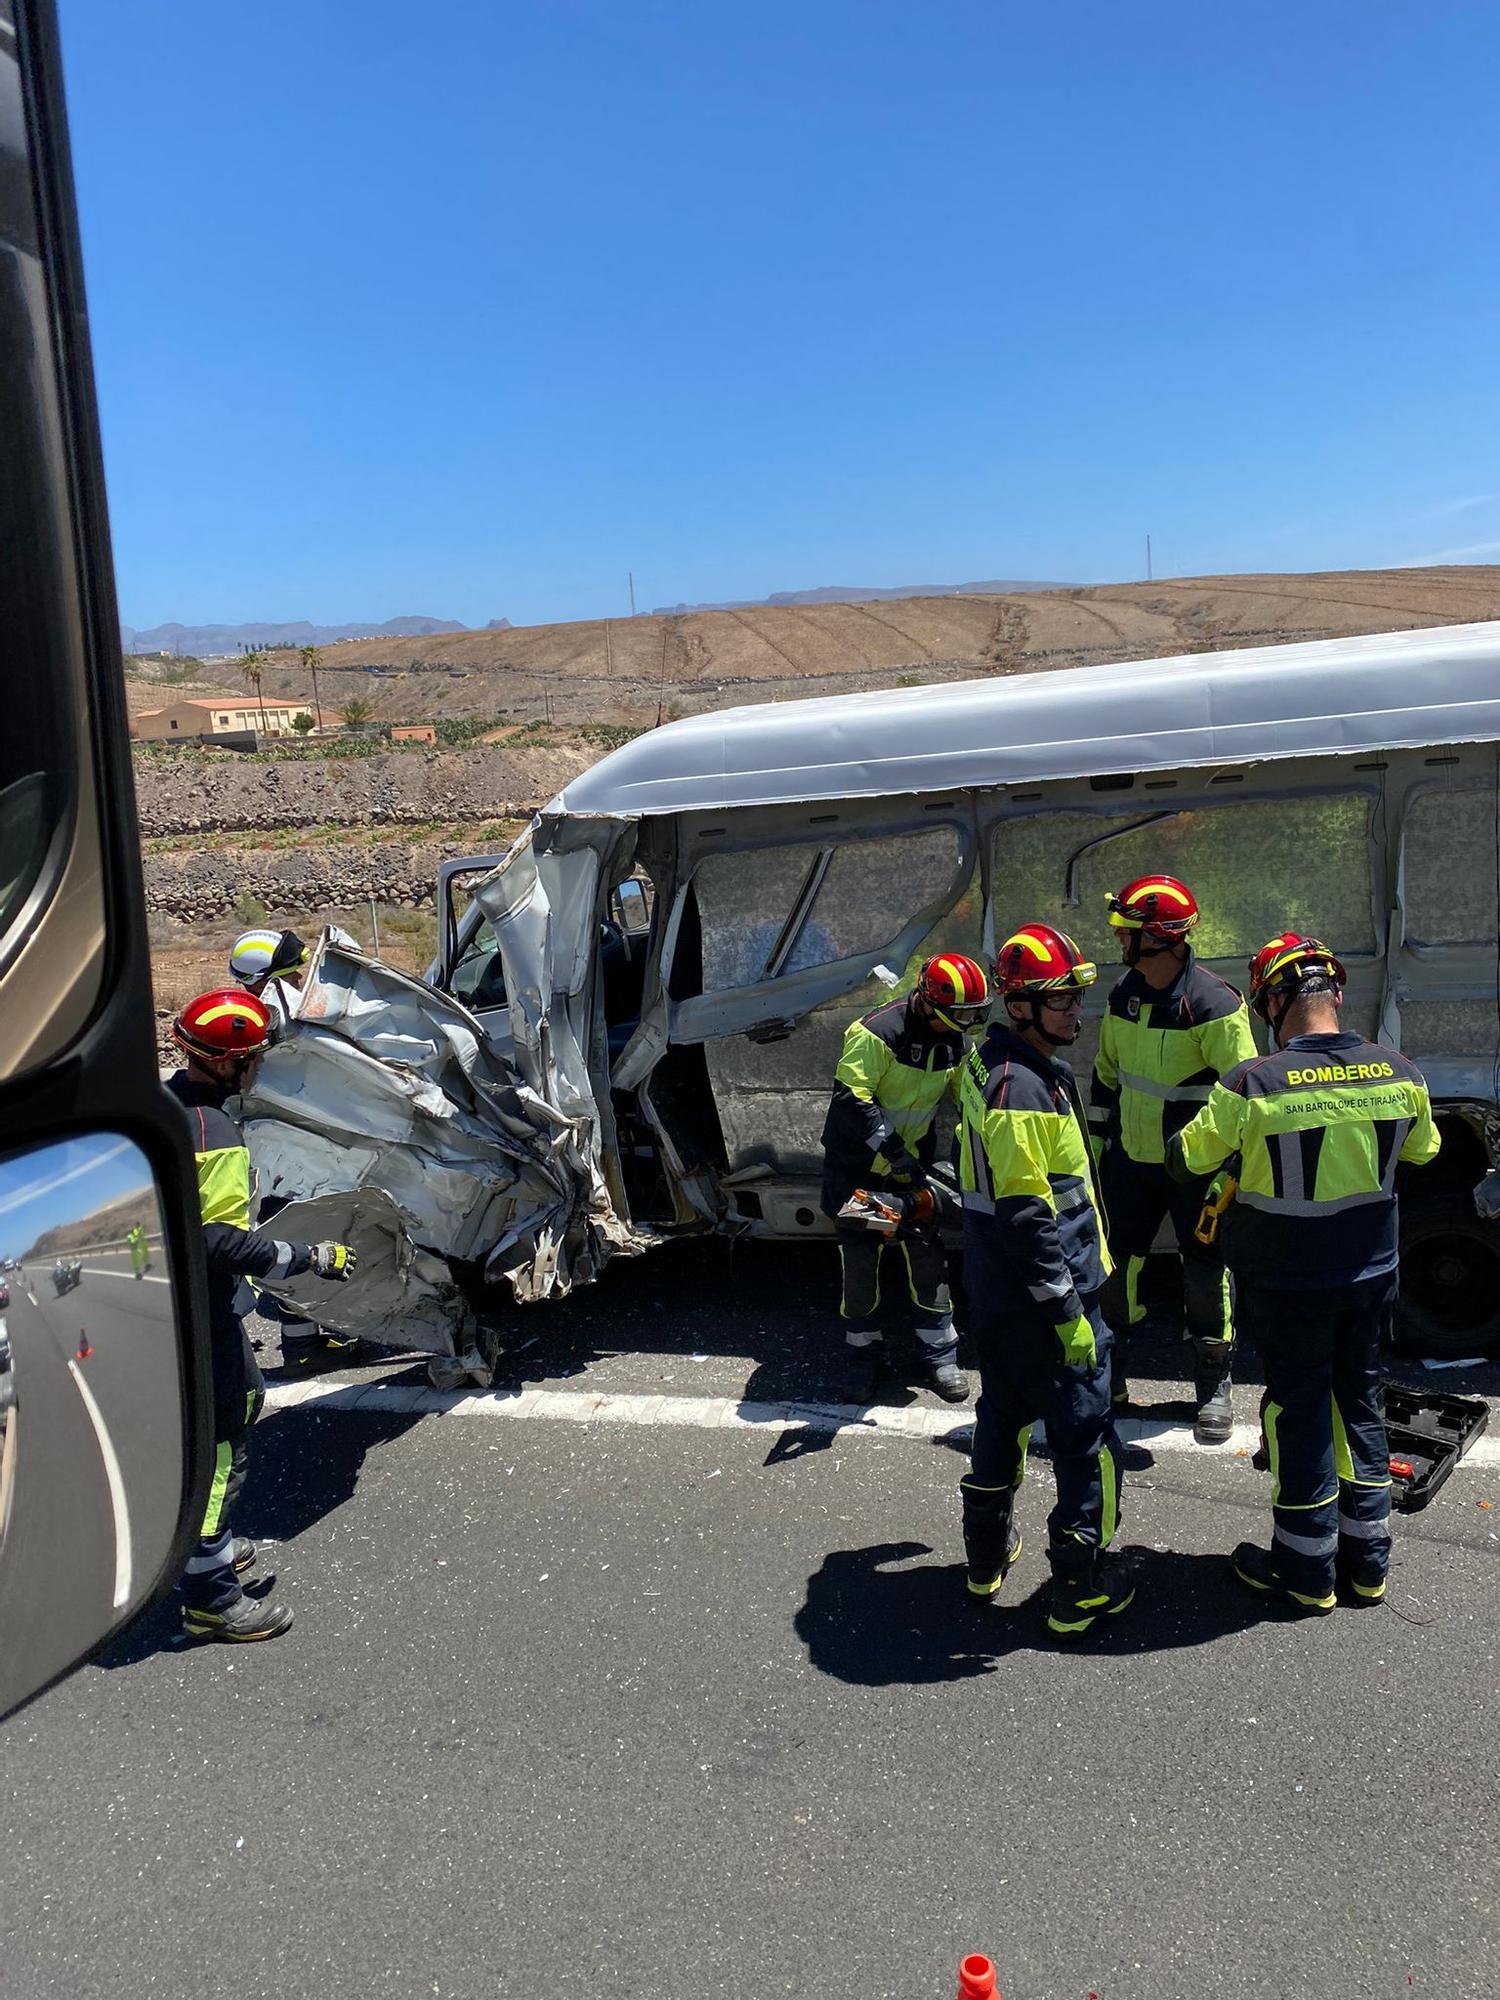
x=63, y=1182
x=469, y=309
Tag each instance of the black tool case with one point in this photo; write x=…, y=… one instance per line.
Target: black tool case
x=1431, y=1433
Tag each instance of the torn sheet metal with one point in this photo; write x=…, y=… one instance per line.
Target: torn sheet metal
x=399, y=1296
x=384, y=1088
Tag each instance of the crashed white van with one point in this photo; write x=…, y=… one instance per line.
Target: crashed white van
x=632, y=1025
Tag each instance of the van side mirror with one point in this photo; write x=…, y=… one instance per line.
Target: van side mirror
x=91, y=1395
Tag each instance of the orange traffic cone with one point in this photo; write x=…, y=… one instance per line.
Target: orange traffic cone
x=85, y=1352
x=976, y=1979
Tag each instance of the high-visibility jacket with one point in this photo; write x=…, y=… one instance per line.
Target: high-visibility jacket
x=1316, y=1130
x=894, y=1072
x=233, y=1249
x=1160, y=1054
x=1034, y=1236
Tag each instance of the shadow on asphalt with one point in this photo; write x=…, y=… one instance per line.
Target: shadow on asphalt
x=298, y=1474
x=873, y=1624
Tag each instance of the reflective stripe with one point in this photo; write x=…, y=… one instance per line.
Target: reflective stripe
x=223, y=1464
x=1250, y=1199
x=283, y=1264
x=1305, y=1545
x=1109, y=1516
x=1365, y=1531
x=1044, y=1294
x=1169, y=1093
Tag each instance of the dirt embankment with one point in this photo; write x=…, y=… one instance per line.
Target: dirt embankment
x=628, y=670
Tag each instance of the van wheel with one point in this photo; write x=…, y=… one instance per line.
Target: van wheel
x=1450, y=1280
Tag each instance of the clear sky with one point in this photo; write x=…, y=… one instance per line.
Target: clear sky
x=469, y=308
x=62, y=1182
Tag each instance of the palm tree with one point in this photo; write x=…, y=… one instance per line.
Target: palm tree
x=355, y=712
x=310, y=658
x=253, y=671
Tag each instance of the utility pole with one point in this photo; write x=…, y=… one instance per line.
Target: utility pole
x=1148, y=559
x=631, y=574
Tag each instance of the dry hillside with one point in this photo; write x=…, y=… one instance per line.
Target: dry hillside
x=625, y=670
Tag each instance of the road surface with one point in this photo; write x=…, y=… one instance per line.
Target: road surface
x=669, y=1711
x=95, y=1376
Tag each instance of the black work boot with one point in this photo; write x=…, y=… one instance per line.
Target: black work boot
x=859, y=1372
x=1211, y=1387
x=245, y=1554
x=1361, y=1590
x=1087, y=1583
x=241, y=1624
x=313, y=1356
x=946, y=1379
x=1257, y=1568
x=992, y=1542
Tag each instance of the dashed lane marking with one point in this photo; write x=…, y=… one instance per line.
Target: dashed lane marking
x=583, y=1406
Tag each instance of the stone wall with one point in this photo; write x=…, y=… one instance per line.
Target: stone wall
x=229, y=794
x=192, y=886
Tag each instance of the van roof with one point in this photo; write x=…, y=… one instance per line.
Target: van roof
x=1390, y=691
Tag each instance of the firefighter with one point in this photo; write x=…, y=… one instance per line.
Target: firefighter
x=221, y=1034
x=897, y=1066
x=265, y=963
x=1035, y=1262
x=140, y=1251
x=268, y=963
x=1172, y=1029
x=1316, y=1130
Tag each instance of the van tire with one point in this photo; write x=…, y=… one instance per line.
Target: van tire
x=1450, y=1279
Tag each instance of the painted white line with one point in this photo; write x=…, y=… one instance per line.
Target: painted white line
x=733, y=1413
x=93, y=1271
x=116, y=1481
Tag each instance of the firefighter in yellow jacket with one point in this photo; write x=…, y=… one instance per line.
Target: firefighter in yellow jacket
x=1313, y=1135
x=897, y=1066
x=1035, y=1262
x=1172, y=1029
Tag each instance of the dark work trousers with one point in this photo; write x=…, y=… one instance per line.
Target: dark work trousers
x=925, y=1268
x=1137, y=1199
x=294, y=1328
x=1023, y=1377
x=209, y=1582
x=1321, y=1413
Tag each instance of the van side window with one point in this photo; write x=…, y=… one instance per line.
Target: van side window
x=770, y=912
x=1451, y=884
x=1255, y=865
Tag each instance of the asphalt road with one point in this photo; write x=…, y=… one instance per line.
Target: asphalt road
x=68, y=1551
x=667, y=1712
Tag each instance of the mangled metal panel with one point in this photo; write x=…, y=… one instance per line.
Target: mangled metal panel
x=383, y=1087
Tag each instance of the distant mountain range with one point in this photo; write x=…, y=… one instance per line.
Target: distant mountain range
x=839, y=593
x=204, y=640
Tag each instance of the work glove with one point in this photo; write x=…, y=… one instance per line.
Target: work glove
x=905, y=1168
x=332, y=1260
x=1076, y=1338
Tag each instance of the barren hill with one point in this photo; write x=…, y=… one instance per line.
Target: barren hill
x=627, y=669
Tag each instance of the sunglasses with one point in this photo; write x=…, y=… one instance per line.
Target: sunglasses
x=1062, y=1003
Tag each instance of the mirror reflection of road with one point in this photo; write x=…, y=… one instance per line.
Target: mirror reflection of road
x=73, y=1553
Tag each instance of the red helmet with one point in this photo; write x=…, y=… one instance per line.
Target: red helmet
x=227, y=1022
x=1283, y=964
x=1038, y=959
x=956, y=988
x=1157, y=905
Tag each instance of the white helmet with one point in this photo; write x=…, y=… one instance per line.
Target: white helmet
x=262, y=954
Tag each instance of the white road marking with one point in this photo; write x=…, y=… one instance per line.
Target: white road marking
x=93, y=1271
x=733, y=1413
x=116, y=1481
